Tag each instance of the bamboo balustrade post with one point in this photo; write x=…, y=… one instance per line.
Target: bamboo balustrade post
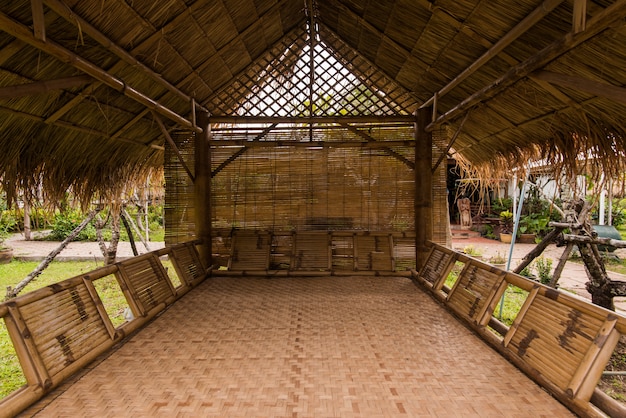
x=202, y=189
x=423, y=186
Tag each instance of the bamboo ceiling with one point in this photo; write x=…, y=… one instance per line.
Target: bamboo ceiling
x=87, y=87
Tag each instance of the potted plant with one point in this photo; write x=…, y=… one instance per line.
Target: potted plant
x=506, y=226
x=6, y=252
x=498, y=260
x=526, y=230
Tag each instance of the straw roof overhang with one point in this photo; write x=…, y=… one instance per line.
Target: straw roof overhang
x=86, y=85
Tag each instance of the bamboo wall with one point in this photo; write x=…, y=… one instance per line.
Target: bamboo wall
x=320, y=181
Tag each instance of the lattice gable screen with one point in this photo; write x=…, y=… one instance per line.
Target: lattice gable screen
x=279, y=84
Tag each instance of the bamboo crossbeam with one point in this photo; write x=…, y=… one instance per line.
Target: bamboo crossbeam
x=170, y=141
x=409, y=120
x=22, y=32
x=38, y=87
x=313, y=144
x=604, y=90
x=388, y=151
x=607, y=17
x=598, y=240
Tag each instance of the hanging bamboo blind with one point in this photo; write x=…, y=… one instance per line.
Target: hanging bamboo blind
x=179, y=189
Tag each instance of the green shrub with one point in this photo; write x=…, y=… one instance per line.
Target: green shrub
x=66, y=222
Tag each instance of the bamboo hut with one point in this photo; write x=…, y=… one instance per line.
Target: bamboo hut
x=292, y=116
x=309, y=136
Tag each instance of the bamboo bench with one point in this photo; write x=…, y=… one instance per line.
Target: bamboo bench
x=308, y=253
x=59, y=329
x=559, y=340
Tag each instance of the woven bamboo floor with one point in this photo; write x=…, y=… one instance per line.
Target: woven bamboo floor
x=303, y=347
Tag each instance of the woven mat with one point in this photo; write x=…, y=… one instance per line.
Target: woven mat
x=304, y=347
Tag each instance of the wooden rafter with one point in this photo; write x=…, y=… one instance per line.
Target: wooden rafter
x=23, y=33
x=612, y=14
x=38, y=87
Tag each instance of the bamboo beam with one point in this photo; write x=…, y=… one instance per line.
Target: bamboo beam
x=316, y=144
x=55, y=50
x=409, y=120
x=240, y=152
x=173, y=145
x=39, y=26
x=202, y=189
x=76, y=128
x=579, y=16
x=604, y=19
x=451, y=143
x=68, y=14
x=423, y=187
x=374, y=141
x=605, y=90
x=38, y=87
x=529, y=21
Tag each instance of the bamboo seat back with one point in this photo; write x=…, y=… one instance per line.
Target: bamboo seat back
x=559, y=340
x=59, y=329
x=374, y=252
x=250, y=250
x=187, y=263
x=312, y=251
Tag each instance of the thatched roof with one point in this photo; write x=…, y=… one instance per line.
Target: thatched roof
x=84, y=84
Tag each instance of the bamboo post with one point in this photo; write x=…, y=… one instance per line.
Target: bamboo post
x=423, y=186
x=202, y=189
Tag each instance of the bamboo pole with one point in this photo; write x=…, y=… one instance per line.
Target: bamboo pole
x=304, y=120
x=423, y=187
x=173, y=145
x=322, y=144
x=22, y=32
x=202, y=189
x=602, y=20
x=529, y=21
x=38, y=87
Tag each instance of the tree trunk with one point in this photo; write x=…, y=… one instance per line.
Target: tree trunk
x=129, y=232
x=111, y=253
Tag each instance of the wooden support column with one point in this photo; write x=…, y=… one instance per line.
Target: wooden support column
x=202, y=188
x=423, y=185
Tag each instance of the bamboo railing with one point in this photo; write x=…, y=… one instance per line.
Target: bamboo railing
x=59, y=329
x=559, y=340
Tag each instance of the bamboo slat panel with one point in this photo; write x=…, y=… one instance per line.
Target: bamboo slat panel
x=187, y=263
x=64, y=327
x=179, y=190
x=343, y=256
x=147, y=280
x=374, y=252
x=311, y=251
x=250, y=250
x=474, y=288
x=554, y=338
x=437, y=266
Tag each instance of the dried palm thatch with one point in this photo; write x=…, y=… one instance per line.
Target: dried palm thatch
x=525, y=80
